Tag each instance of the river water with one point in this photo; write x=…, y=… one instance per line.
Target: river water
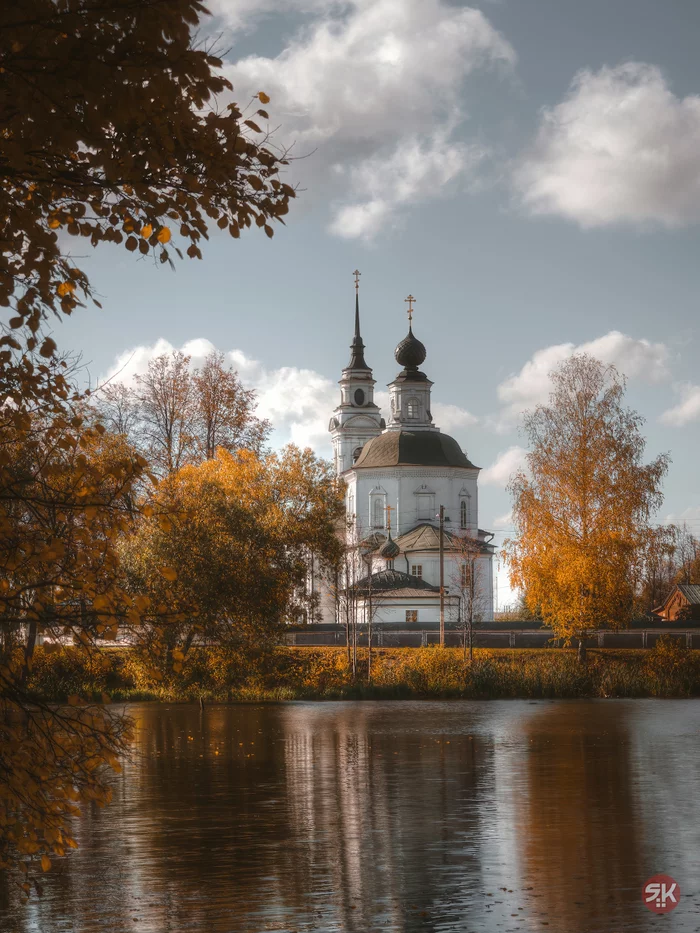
x=398, y=816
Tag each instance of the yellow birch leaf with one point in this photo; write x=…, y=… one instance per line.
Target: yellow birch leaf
x=164, y=235
x=45, y=863
x=146, y=231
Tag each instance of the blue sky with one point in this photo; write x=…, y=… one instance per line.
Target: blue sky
x=528, y=169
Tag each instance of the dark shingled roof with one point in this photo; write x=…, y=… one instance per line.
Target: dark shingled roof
x=391, y=579
x=417, y=448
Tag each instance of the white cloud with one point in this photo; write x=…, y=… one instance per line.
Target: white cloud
x=503, y=522
x=413, y=172
x=506, y=463
x=375, y=87
x=298, y=402
x=450, y=417
x=636, y=358
x=620, y=148
x=687, y=410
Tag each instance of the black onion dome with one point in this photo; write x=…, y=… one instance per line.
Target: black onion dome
x=410, y=353
x=390, y=549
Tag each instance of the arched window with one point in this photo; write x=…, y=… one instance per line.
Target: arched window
x=463, y=514
x=356, y=453
x=413, y=408
x=378, y=512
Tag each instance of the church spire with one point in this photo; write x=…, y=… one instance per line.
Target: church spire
x=357, y=419
x=357, y=347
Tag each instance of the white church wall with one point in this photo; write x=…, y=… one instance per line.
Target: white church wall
x=393, y=611
x=415, y=496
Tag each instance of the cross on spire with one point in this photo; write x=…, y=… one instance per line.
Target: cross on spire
x=410, y=301
x=357, y=279
x=389, y=510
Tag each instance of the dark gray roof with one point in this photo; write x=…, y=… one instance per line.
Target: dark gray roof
x=417, y=448
x=394, y=580
x=691, y=591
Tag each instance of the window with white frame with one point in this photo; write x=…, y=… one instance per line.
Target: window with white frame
x=417, y=571
x=413, y=408
x=463, y=514
x=378, y=512
x=351, y=507
x=411, y=615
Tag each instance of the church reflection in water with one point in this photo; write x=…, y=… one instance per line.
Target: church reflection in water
x=385, y=816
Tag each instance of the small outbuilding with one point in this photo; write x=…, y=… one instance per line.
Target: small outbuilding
x=682, y=604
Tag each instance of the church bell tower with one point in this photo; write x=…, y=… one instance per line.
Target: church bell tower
x=410, y=391
x=357, y=419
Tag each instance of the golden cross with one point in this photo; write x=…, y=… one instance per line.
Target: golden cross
x=357, y=279
x=389, y=510
x=410, y=301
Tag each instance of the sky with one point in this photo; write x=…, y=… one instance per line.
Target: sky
x=528, y=169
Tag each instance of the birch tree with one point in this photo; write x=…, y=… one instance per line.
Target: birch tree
x=582, y=510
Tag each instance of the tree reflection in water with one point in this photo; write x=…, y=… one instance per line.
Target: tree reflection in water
x=357, y=817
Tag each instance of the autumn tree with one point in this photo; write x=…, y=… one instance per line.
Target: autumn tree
x=165, y=406
x=582, y=509
x=224, y=547
x=225, y=410
x=175, y=414
x=116, y=128
x=659, y=567
x=687, y=554
x=64, y=488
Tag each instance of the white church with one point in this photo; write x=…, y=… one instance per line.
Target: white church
x=398, y=472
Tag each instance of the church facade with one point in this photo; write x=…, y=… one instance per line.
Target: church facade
x=398, y=472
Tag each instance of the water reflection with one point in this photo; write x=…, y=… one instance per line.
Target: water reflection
x=358, y=817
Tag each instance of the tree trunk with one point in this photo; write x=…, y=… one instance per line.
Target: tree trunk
x=29, y=650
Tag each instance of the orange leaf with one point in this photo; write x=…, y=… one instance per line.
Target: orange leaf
x=164, y=235
x=263, y=97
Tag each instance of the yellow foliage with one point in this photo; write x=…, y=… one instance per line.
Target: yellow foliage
x=583, y=507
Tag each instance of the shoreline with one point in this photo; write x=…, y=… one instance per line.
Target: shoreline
x=283, y=674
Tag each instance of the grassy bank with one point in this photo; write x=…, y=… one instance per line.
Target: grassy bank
x=218, y=674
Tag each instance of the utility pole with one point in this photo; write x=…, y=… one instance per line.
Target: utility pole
x=442, y=576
